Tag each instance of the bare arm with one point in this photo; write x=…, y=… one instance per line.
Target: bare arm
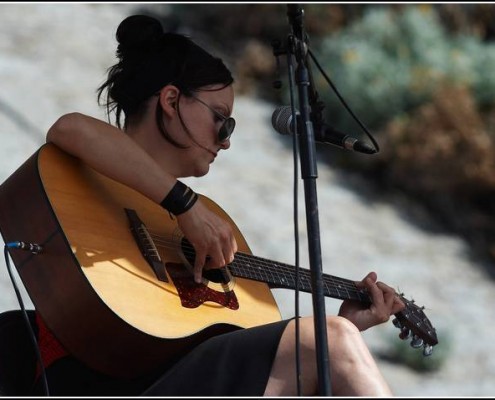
x=114, y=154
x=111, y=152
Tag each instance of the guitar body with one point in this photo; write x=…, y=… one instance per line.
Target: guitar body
x=91, y=283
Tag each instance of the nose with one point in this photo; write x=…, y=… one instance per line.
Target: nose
x=225, y=144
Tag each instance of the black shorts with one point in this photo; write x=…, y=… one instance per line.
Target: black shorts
x=237, y=363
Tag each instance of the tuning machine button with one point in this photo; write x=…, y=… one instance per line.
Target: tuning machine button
x=405, y=333
x=416, y=342
x=427, y=350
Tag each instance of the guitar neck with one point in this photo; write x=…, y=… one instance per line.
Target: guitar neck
x=280, y=275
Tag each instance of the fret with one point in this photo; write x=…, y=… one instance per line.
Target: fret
x=281, y=275
x=284, y=276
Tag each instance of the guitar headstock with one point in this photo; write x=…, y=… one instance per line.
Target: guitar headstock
x=413, y=323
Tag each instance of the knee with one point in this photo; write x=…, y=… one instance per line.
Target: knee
x=338, y=328
x=344, y=338
x=341, y=326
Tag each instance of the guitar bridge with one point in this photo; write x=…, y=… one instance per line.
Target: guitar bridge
x=146, y=245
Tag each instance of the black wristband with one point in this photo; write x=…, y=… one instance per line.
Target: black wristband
x=180, y=199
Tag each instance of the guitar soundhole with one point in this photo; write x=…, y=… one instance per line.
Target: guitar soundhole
x=216, y=275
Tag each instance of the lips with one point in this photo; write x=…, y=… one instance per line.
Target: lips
x=214, y=154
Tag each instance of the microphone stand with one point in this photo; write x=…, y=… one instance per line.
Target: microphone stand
x=297, y=48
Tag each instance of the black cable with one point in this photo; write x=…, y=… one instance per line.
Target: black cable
x=363, y=127
x=26, y=319
x=295, y=146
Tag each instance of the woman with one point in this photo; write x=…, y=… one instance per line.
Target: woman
x=176, y=101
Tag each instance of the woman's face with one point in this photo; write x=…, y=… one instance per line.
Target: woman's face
x=202, y=118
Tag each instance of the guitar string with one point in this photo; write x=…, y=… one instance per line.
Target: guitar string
x=281, y=267
x=339, y=283
x=346, y=284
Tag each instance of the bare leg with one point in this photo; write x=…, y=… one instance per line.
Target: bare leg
x=353, y=371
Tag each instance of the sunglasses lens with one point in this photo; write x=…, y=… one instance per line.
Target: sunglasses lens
x=226, y=130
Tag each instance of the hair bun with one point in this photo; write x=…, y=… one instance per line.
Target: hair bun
x=138, y=33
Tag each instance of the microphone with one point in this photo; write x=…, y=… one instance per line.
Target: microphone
x=282, y=123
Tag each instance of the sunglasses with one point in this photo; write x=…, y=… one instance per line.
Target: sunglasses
x=228, y=123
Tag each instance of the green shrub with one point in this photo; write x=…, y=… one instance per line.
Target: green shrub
x=391, y=61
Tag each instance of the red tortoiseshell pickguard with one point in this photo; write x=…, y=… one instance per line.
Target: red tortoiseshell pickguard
x=194, y=294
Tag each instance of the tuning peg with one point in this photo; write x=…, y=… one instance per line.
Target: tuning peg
x=397, y=323
x=428, y=350
x=405, y=333
x=416, y=342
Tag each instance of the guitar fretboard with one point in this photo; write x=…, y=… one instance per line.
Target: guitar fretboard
x=280, y=275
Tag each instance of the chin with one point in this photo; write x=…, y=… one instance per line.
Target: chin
x=201, y=172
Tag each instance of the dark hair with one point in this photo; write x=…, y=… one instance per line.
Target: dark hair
x=149, y=59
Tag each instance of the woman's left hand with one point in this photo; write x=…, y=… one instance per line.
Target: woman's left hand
x=385, y=302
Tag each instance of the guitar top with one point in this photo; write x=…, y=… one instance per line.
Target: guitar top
x=114, y=280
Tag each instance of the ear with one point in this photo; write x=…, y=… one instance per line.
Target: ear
x=169, y=96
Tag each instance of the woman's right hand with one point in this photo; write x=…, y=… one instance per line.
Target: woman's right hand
x=210, y=235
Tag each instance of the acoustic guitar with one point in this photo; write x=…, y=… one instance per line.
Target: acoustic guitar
x=113, y=278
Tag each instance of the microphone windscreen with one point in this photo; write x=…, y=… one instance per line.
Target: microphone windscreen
x=282, y=120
